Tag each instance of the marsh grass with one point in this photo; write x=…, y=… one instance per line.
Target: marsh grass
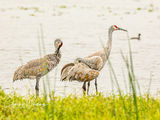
x=133, y=84
x=42, y=52
x=97, y=107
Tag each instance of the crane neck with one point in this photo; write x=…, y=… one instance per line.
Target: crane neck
x=57, y=52
x=109, y=42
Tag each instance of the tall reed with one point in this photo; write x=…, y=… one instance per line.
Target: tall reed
x=131, y=77
x=133, y=83
x=42, y=51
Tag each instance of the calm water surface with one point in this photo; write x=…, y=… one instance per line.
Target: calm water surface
x=81, y=25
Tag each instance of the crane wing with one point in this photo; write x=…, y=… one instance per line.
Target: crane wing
x=65, y=70
x=94, y=62
x=80, y=72
x=35, y=63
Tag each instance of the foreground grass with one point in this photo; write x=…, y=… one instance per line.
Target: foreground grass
x=79, y=108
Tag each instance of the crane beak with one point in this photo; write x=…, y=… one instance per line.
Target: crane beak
x=122, y=29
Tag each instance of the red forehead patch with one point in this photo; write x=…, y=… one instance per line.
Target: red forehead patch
x=115, y=26
x=61, y=44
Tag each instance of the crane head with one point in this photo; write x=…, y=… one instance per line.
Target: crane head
x=139, y=34
x=58, y=43
x=78, y=60
x=114, y=27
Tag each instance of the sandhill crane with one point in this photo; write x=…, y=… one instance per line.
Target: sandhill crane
x=79, y=71
x=37, y=68
x=136, y=38
x=93, y=60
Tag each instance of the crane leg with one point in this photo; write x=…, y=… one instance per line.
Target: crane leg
x=84, y=88
x=96, y=85
x=88, y=87
x=37, y=87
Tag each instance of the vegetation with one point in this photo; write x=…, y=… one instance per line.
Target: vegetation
x=97, y=107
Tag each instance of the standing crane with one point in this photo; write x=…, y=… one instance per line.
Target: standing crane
x=95, y=61
x=79, y=71
x=37, y=68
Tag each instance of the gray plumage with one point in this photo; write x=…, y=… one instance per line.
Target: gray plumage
x=95, y=61
x=79, y=71
x=37, y=68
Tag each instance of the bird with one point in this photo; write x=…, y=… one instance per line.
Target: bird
x=95, y=61
x=136, y=38
x=79, y=71
x=37, y=68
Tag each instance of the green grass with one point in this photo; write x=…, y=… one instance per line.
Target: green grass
x=97, y=107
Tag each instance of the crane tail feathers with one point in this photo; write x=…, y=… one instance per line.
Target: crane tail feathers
x=19, y=74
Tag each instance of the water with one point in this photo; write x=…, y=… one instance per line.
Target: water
x=81, y=25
